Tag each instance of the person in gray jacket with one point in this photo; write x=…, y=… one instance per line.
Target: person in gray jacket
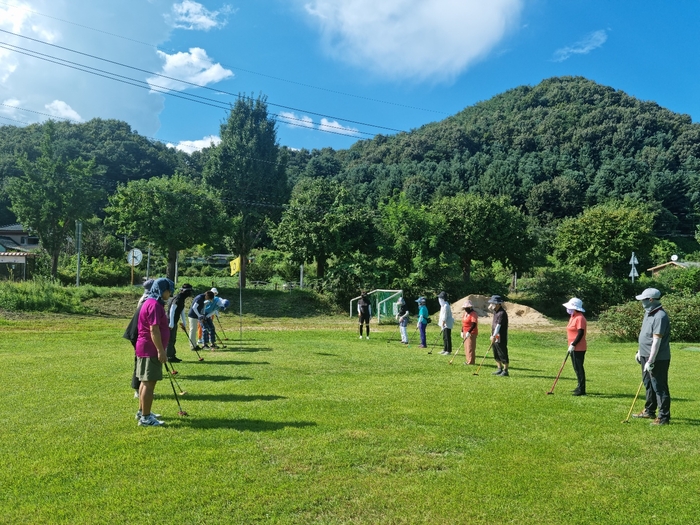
x=654, y=356
x=446, y=322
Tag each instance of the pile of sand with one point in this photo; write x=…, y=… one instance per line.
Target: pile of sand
x=518, y=315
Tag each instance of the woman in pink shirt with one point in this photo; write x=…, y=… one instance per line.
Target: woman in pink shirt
x=576, y=335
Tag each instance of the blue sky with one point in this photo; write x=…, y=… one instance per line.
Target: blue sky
x=392, y=63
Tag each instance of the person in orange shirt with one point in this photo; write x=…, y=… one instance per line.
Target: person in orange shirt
x=576, y=335
x=470, y=330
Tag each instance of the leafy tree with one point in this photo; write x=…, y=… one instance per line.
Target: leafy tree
x=173, y=213
x=319, y=222
x=482, y=228
x=248, y=171
x=52, y=194
x=605, y=235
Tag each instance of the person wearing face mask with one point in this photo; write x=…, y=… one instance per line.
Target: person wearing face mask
x=446, y=322
x=499, y=335
x=469, y=332
x=576, y=335
x=654, y=356
x=422, y=322
x=402, y=317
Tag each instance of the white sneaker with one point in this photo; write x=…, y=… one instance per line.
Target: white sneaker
x=150, y=421
x=360, y=337
x=138, y=414
x=368, y=338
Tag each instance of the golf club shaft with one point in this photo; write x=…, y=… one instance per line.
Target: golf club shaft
x=457, y=351
x=635, y=400
x=222, y=327
x=484, y=359
x=192, y=347
x=560, y=369
x=172, y=384
x=174, y=379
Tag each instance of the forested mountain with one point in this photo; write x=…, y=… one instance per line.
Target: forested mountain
x=555, y=148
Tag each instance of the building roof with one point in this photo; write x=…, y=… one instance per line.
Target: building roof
x=686, y=264
x=13, y=227
x=8, y=244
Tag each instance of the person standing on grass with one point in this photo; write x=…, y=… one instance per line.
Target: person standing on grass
x=654, y=355
x=576, y=335
x=499, y=335
x=153, y=337
x=132, y=331
x=177, y=314
x=422, y=321
x=446, y=322
x=364, y=312
x=402, y=317
x=196, y=315
x=470, y=330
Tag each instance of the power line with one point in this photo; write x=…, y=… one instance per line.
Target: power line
x=193, y=84
x=227, y=65
x=167, y=91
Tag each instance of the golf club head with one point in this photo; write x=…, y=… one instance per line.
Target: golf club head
x=182, y=413
x=625, y=421
x=173, y=372
x=550, y=393
x=183, y=393
x=200, y=359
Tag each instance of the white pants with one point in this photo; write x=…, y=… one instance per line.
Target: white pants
x=404, y=333
x=194, y=325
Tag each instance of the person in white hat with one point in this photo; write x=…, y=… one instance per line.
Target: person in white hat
x=470, y=330
x=446, y=322
x=654, y=355
x=402, y=317
x=576, y=335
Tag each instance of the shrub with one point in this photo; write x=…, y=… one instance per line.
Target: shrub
x=40, y=295
x=622, y=323
x=96, y=271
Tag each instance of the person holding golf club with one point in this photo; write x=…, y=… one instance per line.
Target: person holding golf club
x=150, y=349
x=402, y=317
x=576, y=335
x=422, y=321
x=654, y=356
x=499, y=335
x=177, y=313
x=470, y=330
x=364, y=312
x=196, y=315
x=446, y=322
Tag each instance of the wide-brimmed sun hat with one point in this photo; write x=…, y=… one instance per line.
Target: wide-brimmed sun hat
x=574, y=304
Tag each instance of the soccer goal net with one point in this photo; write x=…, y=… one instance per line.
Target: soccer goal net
x=383, y=303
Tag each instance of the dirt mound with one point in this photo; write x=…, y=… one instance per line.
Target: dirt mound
x=518, y=315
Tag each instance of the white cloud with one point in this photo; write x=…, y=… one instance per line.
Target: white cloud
x=60, y=109
x=294, y=121
x=195, y=67
x=13, y=17
x=194, y=16
x=415, y=39
x=190, y=146
x=582, y=47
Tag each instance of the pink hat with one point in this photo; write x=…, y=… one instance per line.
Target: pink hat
x=467, y=304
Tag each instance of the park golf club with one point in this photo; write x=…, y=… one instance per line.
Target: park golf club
x=484, y=359
x=222, y=328
x=192, y=347
x=182, y=392
x=464, y=340
x=627, y=419
x=557, y=379
x=177, y=399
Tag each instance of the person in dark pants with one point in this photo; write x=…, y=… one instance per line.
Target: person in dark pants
x=364, y=312
x=576, y=335
x=176, y=314
x=654, y=355
x=422, y=322
x=196, y=315
x=446, y=322
x=499, y=335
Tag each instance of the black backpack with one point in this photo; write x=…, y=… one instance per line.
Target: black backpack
x=132, y=330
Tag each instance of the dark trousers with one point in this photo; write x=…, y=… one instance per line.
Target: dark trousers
x=364, y=319
x=421, y=329
x=170, y=350
x=447, y=340
x=577, y=359
x=135, y=383
x=656, y=387
x=500, y=352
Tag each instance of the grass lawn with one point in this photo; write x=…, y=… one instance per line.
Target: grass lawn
x=304, y=423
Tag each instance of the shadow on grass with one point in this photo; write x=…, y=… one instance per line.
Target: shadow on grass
x=234, y=348
x=236, y=362
x=685, y=421
x=219, y=378
x=239, y=398
x=244, y=425
x=326, y=354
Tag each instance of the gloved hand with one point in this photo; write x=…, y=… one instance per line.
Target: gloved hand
x=461, y=334
x=638, y=357
x=571, y=350
x=648, y=367
x=495, y=338
x=200, y=318
x=467, y=335
x=171, y=326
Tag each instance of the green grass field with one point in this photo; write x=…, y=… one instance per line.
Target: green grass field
x=304, y=423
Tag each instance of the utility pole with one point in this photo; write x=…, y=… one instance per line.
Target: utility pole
x=78, y=246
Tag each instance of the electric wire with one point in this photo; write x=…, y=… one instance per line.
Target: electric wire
x=227, y=65
x=193, y=84
x=170, y=92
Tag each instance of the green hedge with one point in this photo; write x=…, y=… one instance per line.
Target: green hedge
x=622, y=323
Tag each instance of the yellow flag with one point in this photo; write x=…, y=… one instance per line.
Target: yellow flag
x=236, y=265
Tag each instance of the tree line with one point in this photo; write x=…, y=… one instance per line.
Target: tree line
x=567, y=177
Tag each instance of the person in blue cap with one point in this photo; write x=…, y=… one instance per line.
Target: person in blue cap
x=499, y=335
x=422, y=321
x=654, y=356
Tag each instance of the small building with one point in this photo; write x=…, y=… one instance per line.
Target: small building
x=16, y=236
x=672, y=264
x=14, y=264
